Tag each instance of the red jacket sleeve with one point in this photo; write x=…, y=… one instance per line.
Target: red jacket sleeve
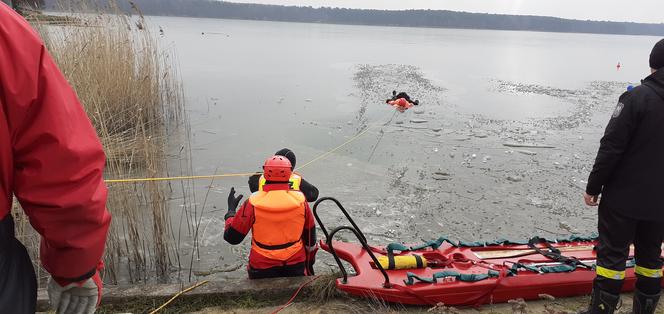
x=57, y=157
x=238, y=227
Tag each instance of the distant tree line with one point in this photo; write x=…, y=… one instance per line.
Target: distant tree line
x=408, y=18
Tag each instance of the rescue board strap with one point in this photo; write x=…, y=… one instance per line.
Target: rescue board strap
x=552, y=269
x=546, y=269
x=275, y=247
x=554, y=254
x=435, y=244
x=412, y=278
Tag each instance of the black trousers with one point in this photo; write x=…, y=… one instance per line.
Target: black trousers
x=295, y=270
x=18, y=283
x=616, y=234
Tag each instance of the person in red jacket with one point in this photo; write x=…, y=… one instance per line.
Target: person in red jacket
x=283, y=240
x=401, y=101
x=52, y=161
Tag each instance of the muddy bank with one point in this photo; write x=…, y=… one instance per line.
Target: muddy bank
x=266, y=296
x=560, y=306
x=230, y=293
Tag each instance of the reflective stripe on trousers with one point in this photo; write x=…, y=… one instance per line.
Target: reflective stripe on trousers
x=648, y=272
x=610, y=273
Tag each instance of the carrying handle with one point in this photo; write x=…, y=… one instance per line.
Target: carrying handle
x=343, y=210
x=358, y=234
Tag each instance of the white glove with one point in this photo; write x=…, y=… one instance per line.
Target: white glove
x=75, y=298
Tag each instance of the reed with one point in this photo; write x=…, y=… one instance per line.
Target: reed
x=129, y=86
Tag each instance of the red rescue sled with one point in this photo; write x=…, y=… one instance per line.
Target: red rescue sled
x=466, y=274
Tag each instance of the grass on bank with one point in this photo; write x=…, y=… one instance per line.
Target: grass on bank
x=322, y=297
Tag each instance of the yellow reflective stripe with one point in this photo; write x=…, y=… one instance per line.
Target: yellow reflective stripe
x=648, y=272
x=295, y=181
x=261, y=183
x=609, y=273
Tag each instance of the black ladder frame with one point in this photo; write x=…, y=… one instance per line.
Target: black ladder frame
x=358, y=234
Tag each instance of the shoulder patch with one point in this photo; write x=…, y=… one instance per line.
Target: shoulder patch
x=618, y=110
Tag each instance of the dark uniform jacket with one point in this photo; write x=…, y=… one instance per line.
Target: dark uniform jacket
x=629, y=169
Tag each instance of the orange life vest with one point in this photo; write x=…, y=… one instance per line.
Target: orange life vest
x=279, y=222
x=294, y=182
x=401, y=103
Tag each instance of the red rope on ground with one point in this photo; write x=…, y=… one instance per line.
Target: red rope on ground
x=295, y=294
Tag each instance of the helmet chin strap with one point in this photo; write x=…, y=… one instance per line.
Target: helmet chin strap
x=276, y=186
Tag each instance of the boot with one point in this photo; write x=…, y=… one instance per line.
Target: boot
x=645, y=303
x=602, y=302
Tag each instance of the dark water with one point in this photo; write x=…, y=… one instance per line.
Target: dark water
x=441, y=169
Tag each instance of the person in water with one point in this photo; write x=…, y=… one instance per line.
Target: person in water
x=283, y=230
x=628, y=174
x=401, y=101
x=402, y=95
x=257, y=181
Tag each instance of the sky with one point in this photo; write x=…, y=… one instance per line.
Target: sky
x=645, y=11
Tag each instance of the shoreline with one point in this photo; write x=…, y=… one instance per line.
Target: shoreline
x=267, y=295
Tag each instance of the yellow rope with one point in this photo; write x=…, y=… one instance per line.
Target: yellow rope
x=178, y=294
x=352, y=139
x=180, y=178
x=136, y=180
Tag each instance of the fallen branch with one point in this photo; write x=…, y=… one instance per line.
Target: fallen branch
x=177, y=295
x=528, y=145
x=549, y=231
x=493, y=254
x=215, y=270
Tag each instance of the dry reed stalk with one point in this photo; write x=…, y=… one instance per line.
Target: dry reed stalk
x=129, y=87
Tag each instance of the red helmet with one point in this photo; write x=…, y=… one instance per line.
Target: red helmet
x=277, y=169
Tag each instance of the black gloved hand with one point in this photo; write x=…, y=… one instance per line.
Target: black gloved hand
x=232, y=203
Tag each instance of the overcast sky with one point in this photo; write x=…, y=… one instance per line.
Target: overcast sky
x=650, y=11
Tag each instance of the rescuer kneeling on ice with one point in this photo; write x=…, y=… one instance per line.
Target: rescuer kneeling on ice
x=283, y=240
